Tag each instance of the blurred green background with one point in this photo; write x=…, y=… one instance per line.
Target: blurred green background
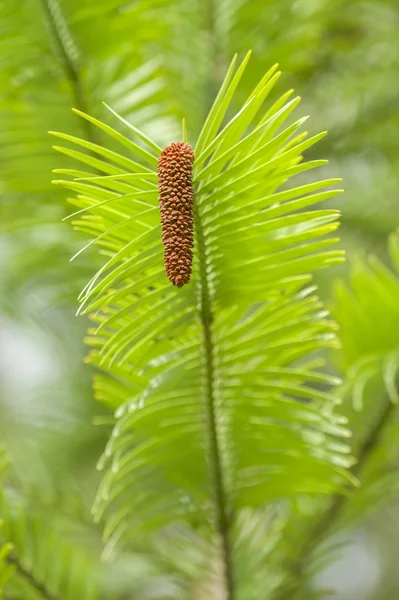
x=155, y=61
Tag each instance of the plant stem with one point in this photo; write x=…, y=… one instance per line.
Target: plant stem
x=331, y=516
x=222, y=516
x=210, y=28
x=39, y=586
x=69, y=56
x=216, y=54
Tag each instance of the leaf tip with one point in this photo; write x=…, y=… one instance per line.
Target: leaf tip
x=303, y=120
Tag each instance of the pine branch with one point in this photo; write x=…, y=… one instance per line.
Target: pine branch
x=216, y=466
x=332, y=515
x=30, y=578
x=69, y=55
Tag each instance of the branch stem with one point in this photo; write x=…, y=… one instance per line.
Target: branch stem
x=216, y=53
x=222, y=513
x=69, y=56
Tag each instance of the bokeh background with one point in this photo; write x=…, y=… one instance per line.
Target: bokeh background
x=155, y=61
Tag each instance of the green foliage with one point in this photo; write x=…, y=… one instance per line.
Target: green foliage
x=6, y=569
x=155, y=62
x=366, y=310
x=36, y=561
x=43, y=564
x=220, y=374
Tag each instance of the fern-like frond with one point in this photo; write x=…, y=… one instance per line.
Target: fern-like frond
x=366, y=309
x=220, y=406
x=38, y=563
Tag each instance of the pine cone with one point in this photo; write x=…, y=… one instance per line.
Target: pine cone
x=176, y=198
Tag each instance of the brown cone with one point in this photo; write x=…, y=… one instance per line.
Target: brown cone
x=176, y=199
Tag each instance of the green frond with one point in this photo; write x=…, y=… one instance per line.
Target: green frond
x=218, y=374
x=36, y=561
x=367, y=311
